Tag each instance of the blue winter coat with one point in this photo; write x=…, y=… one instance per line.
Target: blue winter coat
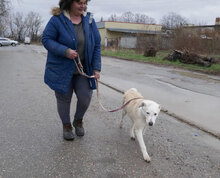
x=58, y=36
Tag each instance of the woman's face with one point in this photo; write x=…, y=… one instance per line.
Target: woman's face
x=78, y=7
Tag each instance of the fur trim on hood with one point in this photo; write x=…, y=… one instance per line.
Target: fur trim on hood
x=57, y=11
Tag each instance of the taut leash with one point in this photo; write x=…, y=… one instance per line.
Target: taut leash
x=81, y=72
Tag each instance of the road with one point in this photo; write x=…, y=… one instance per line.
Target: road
x=31, y=143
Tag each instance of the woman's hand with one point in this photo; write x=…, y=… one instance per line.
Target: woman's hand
x=71, y=54
x=96, y=74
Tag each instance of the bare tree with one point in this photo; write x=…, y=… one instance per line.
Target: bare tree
x=33, y=23
x=127, y=17
x=19, y=25
x=113, y=18
x=4, y=11
x=142, y=18
x=130, y=17
x=37, y=25
x=12, y=27
x=173, y=21
x=4, y=8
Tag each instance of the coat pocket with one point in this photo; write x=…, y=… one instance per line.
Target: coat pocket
x=52, y=74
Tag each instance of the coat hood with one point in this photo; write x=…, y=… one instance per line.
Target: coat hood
x=57, y=11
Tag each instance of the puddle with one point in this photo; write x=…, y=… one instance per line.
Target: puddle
x=196, y=75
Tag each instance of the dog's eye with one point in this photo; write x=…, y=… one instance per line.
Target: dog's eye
x=155, y=114
x=147, y=112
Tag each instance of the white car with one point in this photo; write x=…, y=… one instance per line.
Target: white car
x=7, y=42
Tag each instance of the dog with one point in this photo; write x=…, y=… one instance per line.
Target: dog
x=142, y=112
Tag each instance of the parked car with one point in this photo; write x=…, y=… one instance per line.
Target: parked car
x=27, y=40
x=7, y=42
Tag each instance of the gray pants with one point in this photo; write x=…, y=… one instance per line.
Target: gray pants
x=80, y=85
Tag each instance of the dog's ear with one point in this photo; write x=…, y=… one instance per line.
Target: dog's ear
x=142, y=105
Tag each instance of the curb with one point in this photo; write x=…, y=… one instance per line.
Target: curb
x=164, y=110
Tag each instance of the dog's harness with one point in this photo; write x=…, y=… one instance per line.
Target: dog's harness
x=81, y=72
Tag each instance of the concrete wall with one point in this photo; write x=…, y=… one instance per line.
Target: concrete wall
x=105, y=34
x=102, y=32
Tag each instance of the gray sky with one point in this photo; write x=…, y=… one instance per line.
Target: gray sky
x=196, y=11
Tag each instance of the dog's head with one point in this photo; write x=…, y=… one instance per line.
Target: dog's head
x=150, y=110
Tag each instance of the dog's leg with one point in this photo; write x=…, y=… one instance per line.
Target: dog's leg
x=123, y=115
x=132, y=132
x=144, y=130
x=140, y=139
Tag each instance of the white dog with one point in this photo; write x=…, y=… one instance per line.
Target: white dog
x=142, y=112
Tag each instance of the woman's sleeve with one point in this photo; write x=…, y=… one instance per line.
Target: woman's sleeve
x=96, y=62
x=49, y=37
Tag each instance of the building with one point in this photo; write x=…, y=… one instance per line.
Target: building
x=125, y=35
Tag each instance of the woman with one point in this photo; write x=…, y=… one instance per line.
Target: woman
x=71, y=34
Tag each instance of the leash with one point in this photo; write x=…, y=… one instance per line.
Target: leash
x=81, y=72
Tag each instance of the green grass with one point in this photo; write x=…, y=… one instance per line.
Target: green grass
x=132, y=55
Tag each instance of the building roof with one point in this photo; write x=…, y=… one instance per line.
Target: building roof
x=133, y=31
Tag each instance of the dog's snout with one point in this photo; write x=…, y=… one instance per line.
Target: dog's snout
x=150, y=123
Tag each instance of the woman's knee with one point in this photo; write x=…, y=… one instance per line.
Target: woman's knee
x=84, y=98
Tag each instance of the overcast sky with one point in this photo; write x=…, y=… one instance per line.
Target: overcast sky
x=195, y=11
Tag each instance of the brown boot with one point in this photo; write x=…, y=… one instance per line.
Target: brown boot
x=67, y=132
x=78, y=124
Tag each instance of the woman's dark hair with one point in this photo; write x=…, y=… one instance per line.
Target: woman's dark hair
x=66, y=4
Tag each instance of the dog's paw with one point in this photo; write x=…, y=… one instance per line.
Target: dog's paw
x=132, y=138
x=147, y=159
